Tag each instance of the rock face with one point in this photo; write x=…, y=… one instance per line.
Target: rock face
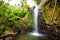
x=41, y=24
x=21, y=30
x=7, y=35
x=7, y=32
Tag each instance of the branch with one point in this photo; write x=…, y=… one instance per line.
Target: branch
x=54, y=11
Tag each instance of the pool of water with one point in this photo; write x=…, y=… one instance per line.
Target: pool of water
x=30, y=37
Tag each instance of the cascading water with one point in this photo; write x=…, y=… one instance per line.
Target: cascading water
x=36, y=10
x=35, y=19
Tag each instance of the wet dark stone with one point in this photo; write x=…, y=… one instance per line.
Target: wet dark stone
x=21, y=30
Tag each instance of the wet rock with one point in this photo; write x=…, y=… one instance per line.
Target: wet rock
x=21, y=30
x=52, y=33
x=58, y=35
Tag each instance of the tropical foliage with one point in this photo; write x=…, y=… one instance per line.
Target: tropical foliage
x=11, y=17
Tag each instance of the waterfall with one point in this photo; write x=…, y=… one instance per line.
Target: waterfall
x=36, y=10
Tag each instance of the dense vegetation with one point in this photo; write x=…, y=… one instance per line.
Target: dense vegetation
x=50, y=12
x=13, y=18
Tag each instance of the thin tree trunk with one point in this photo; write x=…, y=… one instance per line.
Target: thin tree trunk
x=52, y=19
